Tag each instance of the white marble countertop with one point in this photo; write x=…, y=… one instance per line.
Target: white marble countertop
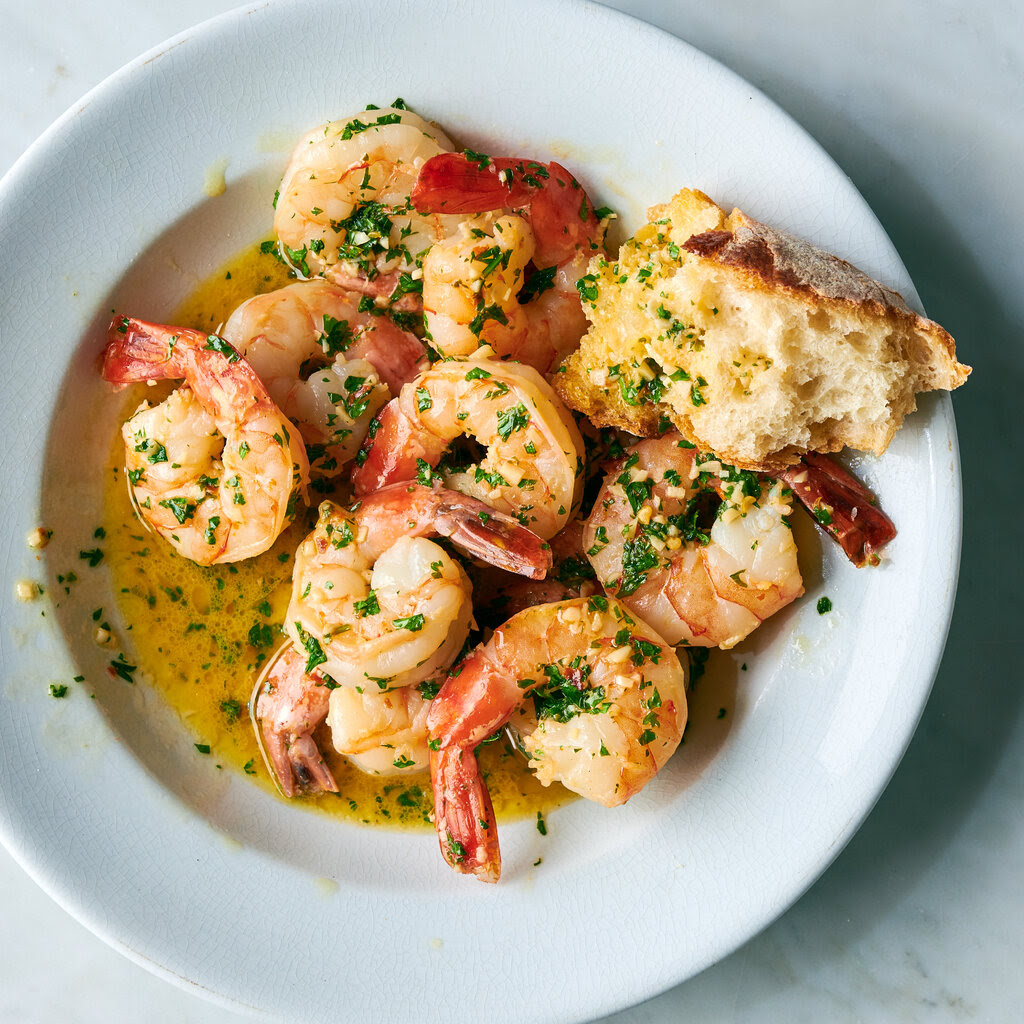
x=920, y=918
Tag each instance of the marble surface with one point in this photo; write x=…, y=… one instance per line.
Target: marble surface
x=919, y=918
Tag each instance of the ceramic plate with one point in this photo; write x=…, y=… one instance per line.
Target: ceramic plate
x=212, y=882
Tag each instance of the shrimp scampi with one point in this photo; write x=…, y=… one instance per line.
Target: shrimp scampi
x=699, y=549
x=532, y=468
x=488, y=570
x=507, y=281
x=375, y=603
x=328, y=363
x=217, y=468
x=597, y=701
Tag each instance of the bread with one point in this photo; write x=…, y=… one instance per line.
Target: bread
x=756, y=345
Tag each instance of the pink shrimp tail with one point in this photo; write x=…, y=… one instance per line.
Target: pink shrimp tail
x=476, y=700
x=466, y=828
x=476, y=528
x=137, y=351
x=497, y=538
x=559, y=210
x=304, y=700
x=843, y=507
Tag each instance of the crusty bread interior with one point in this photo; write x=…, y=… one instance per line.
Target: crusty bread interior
x=756, y=345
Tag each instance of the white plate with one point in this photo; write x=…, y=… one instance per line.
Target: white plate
x=208, y=880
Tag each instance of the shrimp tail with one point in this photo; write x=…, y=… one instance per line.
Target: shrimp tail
x=138, y=351
x=287, y=705
x=560, y=212
x=453, y=183
x=466, y=828
x=842, y=506
x=391, y=451
x=297, y=764
x=492, y=536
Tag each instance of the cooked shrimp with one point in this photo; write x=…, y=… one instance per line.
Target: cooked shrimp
x=217, y=467
x=473, y=282
x=608, y=710
x=842, y=506
x=381, y=733
x=498, y=595
x=374, y=602
x=648, y=541
x=359, y=361
x=288, y=704
x=343, y=207
x=532, y=468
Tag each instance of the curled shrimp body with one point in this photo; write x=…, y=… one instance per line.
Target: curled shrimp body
x=596, y=698
x=532, y=468
x=507, y=281
x=343, y=206
x=216, y=468
x=649, y=547
x=376, y=603
x=359, y=361
x=288, y=706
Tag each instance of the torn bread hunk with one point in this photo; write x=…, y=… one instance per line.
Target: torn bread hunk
x=754, y=344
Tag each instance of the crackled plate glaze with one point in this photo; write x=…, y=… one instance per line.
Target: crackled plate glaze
x=211, y=882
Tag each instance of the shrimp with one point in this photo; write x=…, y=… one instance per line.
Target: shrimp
x=216, y=468
x=608, y=710
x=360, y=360
x=477, y=285
x=288, y=705
x=380, y=733
x=650, y=546
x=842, y=506
x=533, y=465
x=343, y=210
x=499, y=595
x=374, y=601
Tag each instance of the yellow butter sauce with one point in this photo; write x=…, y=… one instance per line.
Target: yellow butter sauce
x=201, y=636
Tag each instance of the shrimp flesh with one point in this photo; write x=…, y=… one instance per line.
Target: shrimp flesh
x=381, y=733
x=288, y=705
x=507, y=281
x=374, y=601
x=216, y=468
x=842, y=506
x=343, y=209
x=608, y=700
x=359, y=359
x=533, y=465
x=650, y=545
